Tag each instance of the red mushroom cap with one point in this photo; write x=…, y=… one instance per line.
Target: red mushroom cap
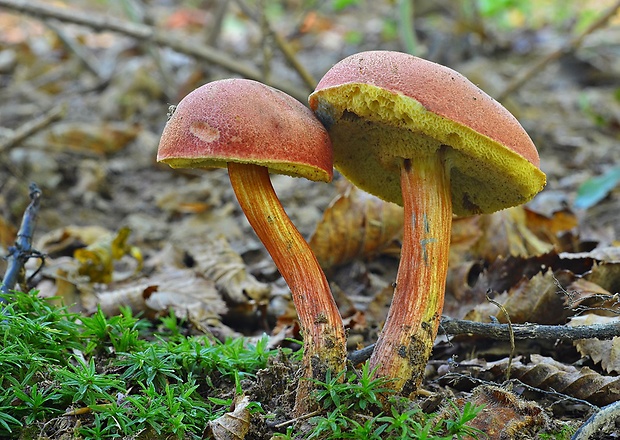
x=240, y=120
x=380, y=106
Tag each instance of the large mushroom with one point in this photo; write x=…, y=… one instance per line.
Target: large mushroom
x=253, y=129
x=421, y=135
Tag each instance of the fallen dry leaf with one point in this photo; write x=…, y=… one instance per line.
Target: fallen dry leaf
x=551, y=228
x=507, y=234
x=233, y=425
x=65, y=241
x=502, y=234
x=466, y=231
x=189, y=295
x=377, y=309
x=585, y=296
x=537, y=299
x=96, y=260
x=503, y=274
x=608, y=254
x=606, y=352
x=355, y=225
x=98, y=138
x=548, y=374
x=461, y=278
x=8, y=233
x=504, y=416
x=191, y=197
x=216, y=260
x=606, y=275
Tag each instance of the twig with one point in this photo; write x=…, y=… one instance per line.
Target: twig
x=22, y=251
x=89, y=61
x=359, y=356
x=551, y=393
x=138, y=12
x=603, y=421
x=297, y=419
x=511, y=333
x=144, y=32
x=266, y=40
x=530, y=331
x=214, y=31
x=292, y=60
x=569, y=46
x=283, y=45
x=455, y=377
x=33, y=126
x=501, y=332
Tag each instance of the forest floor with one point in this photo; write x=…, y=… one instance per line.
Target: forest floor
x=99, y=85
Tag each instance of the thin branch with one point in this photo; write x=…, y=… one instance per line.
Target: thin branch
x=214, y=31
x=292, y=59
x=569, y=46
x=511, y=333
x=298, y=419
x=22, y=251
x=283, y=45
x=144, y=32
x=31, y=127
x=87, y=60
x=599, y=422
x=501, y=332
x=266, y=41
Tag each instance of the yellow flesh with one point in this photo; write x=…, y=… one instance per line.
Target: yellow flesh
x=278, y=167
x=372, y=129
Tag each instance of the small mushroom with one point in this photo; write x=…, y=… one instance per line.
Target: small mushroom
x=423, y=136
x=253, y=129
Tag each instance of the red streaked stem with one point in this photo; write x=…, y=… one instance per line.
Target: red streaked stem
x=406, y=342
x=320, y=320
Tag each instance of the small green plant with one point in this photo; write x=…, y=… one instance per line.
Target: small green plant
x=458, y=426
x=354, y=405
x=563, y=433
x=117, y=378
x=111, y=374
x=117, y=333
x=171, y=323
x=339, y=5
x=357, y=392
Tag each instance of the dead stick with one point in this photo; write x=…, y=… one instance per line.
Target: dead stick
x=22, y=251
x=601, y=421
x=89, y=61
x=501, y=332
x=144, y=32
x=283, y=45
x=571, y=45
x=33, y=126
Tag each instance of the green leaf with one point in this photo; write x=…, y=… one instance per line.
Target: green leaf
x=339, y=5
x=596, y=189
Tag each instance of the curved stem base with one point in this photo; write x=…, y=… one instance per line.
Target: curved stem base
x=406, y=342
x=320, y=320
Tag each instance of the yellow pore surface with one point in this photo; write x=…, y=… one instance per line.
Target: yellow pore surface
x=373, y=130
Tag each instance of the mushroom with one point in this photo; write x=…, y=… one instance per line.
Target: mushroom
x=253, y=129
x=421, y=135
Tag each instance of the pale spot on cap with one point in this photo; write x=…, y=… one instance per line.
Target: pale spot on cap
x=204, y=131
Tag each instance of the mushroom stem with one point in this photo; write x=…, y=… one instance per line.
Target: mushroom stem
x=319, y=318
x=406, y=341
